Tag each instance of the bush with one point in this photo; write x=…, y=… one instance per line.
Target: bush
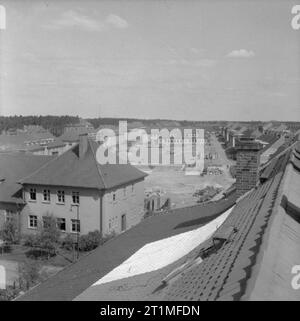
x=28, y=274
x=9, y=232
x=89, y=241
x=45, y=241
x=67, y=242
x=30, y=240
x=8, y=294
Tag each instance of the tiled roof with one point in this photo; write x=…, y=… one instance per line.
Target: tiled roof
x=13, y=167
x=226, y=273
x=11, y=193
x=268, y=138
x=74, y=279
x=69, y=169
x=276, y=165
x=223, y=274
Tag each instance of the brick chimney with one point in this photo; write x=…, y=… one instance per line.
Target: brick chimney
x=83, y=144
x=248, y=157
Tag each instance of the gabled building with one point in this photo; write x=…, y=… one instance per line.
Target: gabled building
x=84, y=195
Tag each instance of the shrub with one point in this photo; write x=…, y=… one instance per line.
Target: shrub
x=45, y=241
x=8, y=294
x=9, y=232
x=30, y=240
x=89, y=241
x=67, y=242
x=28, y=274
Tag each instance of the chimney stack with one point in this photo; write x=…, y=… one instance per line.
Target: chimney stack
x=248, y=158
x=83, y=144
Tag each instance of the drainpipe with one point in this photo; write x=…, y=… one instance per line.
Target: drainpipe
x=101, y=213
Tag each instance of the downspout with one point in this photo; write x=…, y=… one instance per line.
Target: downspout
x=101, y=213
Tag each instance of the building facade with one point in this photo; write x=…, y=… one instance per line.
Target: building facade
x=81, y=194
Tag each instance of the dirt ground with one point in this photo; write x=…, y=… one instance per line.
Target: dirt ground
x=174, y=183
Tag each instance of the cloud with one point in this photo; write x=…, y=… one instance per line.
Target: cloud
x=116, y=21
x=73, y=19
x=241, y=53
x=194, y=63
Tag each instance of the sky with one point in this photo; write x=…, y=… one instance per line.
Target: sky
x=193, y=60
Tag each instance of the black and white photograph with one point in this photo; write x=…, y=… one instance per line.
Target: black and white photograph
x=149, y=153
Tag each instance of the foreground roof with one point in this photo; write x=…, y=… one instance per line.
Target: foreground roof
x=69, y=169
x=74, y=279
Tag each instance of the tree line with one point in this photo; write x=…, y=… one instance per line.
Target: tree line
x=55, y=124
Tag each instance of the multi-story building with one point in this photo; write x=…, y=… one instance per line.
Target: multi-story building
x=82, y=194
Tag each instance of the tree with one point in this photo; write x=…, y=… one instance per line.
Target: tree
x=49, y=235
x=9, y=232
x=28, y=274
x=47, y=240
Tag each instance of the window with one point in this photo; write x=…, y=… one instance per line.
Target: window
x=32, y=194
x=75, y=226
x=9, y=216
x=46, y=195
x=75, y=197
x=46, y=221
x=114, y=196
x=61, y=196
x=32, y=221
x=61, y=224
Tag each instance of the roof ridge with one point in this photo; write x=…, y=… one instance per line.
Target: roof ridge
x=98, y=169
x=278, y=155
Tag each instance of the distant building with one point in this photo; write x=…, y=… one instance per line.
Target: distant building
x=25, y=140
x=55, y=148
